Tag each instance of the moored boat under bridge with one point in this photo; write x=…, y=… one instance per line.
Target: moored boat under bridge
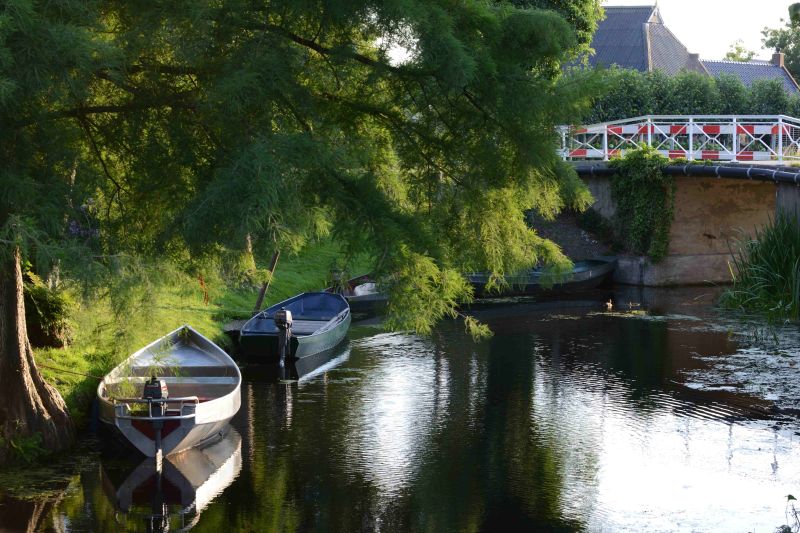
x=766, y=139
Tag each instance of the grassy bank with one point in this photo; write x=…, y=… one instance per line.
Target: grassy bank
x=766, y=272
x=101, y=341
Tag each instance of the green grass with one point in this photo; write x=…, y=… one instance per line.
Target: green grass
x=766, y=272
x=101, y=341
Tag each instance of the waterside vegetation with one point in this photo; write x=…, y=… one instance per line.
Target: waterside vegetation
x=766, y=272
x=104, y=334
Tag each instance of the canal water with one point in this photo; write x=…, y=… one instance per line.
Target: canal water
x=660, y=414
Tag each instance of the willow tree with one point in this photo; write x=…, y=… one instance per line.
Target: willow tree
x=416, y=130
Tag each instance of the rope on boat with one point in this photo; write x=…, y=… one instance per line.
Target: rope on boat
x=69, y=371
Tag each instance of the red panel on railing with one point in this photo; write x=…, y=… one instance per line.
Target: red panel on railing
x=759, y=137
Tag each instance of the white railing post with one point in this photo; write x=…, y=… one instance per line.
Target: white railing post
x=756, y=141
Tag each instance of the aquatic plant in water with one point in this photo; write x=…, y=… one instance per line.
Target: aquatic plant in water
x=766, y=272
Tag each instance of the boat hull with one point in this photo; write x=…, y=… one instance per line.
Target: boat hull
x=203, y=387
x=362, y=296
x=182, y=436
x=592, y=274
x=320, y=322
x=368, y=304
x=263, y=348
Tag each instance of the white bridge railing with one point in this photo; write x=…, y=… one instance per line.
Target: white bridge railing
x=774, y=138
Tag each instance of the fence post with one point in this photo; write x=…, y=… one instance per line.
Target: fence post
x=649, y=131
x=691, y=138
x=564, y=149
x=780, y=139
x=605, y=142
x=735, y=141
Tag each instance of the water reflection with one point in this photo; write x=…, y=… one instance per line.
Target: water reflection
x=174, y=497
x=566, y=420
x=394, y=413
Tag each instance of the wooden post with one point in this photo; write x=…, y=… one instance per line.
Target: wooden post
x=265, y=287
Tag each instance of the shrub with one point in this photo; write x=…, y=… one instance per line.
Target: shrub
x=46, y=313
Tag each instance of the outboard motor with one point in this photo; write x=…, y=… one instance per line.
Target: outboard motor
x=156, y=389
x=283, y=320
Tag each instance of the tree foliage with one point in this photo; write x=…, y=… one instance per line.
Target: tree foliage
x=630, y=93
x=733, y=95
x=738, y=52
x=176, y=131
x=583, y=15
x=787, y=40
x=768, y=97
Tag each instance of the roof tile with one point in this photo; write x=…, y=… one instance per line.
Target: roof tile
x=619, y=39
x=750, y=71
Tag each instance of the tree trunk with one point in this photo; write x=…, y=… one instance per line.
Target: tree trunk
x=29, y=516
x=28, y=405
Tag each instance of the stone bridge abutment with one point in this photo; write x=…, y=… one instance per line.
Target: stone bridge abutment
x=713, y=214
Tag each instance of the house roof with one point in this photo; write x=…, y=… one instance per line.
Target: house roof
x=636, y=37
x=667, y=53
x=620, y=38
x=750, y=71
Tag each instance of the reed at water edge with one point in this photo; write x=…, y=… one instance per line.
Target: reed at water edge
x=766, y=272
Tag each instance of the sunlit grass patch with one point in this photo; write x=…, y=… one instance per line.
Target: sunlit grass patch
x=103, y=338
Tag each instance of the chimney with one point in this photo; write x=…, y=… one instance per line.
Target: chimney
x=694, y=57
x=777, y=59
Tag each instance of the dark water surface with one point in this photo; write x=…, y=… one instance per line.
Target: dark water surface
x=655, y=417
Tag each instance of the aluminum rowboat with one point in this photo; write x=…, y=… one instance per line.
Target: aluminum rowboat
x=321, y=321
x=204, y=392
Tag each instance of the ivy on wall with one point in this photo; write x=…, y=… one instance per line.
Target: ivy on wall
x=645, y=202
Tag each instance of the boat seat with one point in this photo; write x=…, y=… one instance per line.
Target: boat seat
x=204, y=392
x=313, y=318
x=184, y=371
x=306, y=327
